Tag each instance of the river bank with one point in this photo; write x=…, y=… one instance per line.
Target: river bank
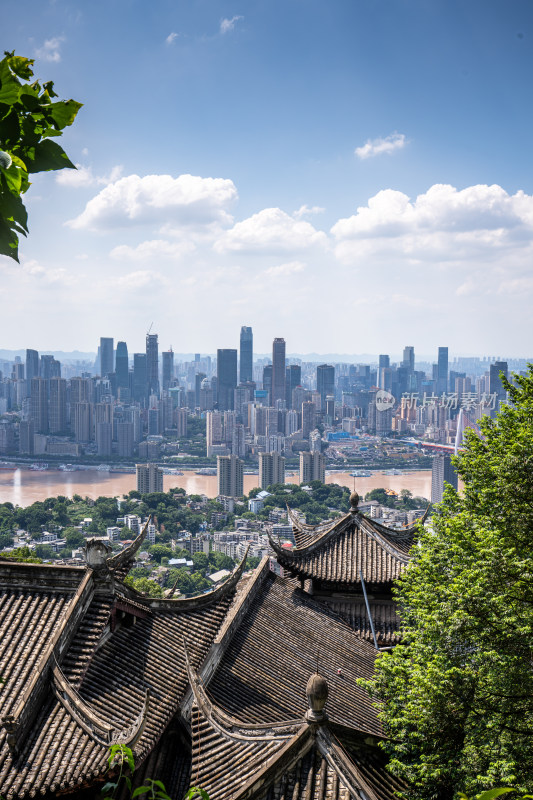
x=23, y=487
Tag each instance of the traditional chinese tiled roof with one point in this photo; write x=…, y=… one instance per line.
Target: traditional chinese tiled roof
x=337, y=552
x=275, y=649
x=73, y=685
x=301, y=760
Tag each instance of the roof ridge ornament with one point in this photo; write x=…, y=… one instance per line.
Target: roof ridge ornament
x=317, y=694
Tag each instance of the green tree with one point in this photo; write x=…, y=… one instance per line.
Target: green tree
x=458, y=693
x=29, y=118
x=145, y=585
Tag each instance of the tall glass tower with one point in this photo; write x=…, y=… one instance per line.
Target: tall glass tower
x=226, y=378
x=278, y=370
x=246, y=366
x=122, y=365
x=152, y=363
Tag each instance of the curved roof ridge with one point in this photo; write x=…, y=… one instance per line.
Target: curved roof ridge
x=122, y=558
x=97, y=728
x=188, y=603
x=383, y=540
x=229, y=726
x=400, y=533
x=338, y=525
x=302, y=526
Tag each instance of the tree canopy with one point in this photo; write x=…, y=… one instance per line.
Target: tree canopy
x=29, y=118
x=458, y=692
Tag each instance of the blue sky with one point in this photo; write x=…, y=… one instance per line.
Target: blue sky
x=354, y=176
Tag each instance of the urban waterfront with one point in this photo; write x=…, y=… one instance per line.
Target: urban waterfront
x=23, y=487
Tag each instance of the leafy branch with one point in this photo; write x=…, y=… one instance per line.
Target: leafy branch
x=29, y=118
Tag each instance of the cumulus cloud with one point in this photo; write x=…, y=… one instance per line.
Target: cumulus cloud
x=55, y=275
x=140, y=279
x=132, y=200
x=50, y=49
x=307, y=211
x=228, y=25
x=171, y=38
x=155, y=248
x=271, y=230
x=285, y=269
x=375, y=147
x=83, y=176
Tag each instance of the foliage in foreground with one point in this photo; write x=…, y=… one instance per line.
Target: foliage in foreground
x=29, y=118
x=458, y=693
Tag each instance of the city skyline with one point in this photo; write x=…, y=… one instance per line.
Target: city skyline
x=323, y=187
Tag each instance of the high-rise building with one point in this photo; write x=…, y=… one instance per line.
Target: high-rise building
x=271, y=469
x=26, y=430
x=106, y=356
x=384, y=361
x=226, y=378
x=168, y=368
x=246, y=363
x=308, y=418
x=39, y=404
x=32, y=369
x=495, y=384
x=441, y=471
x=83, y=421
x=149, y=478
x=230, y=476
x=122, y=366
x=409, y=358
x=104, y=437
x=312, y=467
x=125, y=442
x=293, y=378
x=152, y=363
x=140, y=377
x=213, y=430
x=267, y=382
x=325, y=382
x=80, y=390
x=57, y=409
x=278, y=371
x=49, y=367
x=442, y=370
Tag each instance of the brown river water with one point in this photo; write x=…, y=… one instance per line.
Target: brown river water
x=23, y=487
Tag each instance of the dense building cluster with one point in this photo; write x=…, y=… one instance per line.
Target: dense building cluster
x=141, y=406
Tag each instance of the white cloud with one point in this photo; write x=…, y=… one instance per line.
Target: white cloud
x=56, y=275
x=270, y=230
x=306, y=211
x=171, y=38
x=375, y=147
x=83, y=176
x=50, y=49
x=228, y=25
x=187, y=200
x=282, y=270
x=156, y=248
x=140, y=279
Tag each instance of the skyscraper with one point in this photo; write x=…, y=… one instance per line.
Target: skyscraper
x=149, y=478
x=384, y=361
x=106, y=356
x=39, y=404
x=312, y=467
x=293, y=378
x=495, y=384
x=230, y=475
x=122, y=365
x=152, y=363
x=246, y=364
x=271, y=469
x=32, y=368
x=325, y=382
x=140, y=377
x=226, y=378
x=58, y=405
x=278, y=370
x=168, y=367
x=442, y=370
x=442, y=471
x=409, y=358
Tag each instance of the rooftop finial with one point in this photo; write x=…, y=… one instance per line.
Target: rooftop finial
x=354, y=502
x=317, y=694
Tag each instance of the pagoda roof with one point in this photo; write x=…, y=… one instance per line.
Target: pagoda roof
x=299, y=758
x=87, y=663
x=339, y=551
